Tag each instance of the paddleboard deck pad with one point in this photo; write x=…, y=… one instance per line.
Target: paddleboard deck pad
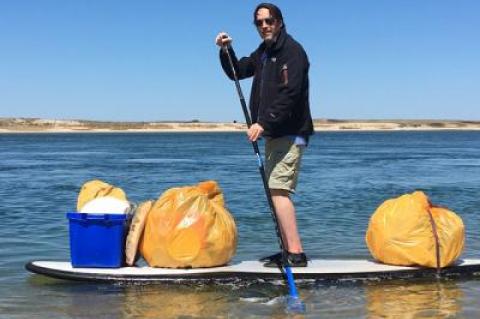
x=252, y=271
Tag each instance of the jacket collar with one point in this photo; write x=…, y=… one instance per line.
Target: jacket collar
x=277, y=45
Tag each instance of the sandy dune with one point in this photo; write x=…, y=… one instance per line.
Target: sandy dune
x=12, y=125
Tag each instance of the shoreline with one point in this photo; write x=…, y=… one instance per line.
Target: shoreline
x=33, y=125
x=154, y=131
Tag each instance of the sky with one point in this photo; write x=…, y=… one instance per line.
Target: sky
x=157, y=60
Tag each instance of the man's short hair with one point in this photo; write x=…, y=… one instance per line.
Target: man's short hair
x=273, y=9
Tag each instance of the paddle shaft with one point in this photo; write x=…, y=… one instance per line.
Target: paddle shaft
x=261, y=168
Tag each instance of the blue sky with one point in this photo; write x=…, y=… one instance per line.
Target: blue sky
x=156, y=60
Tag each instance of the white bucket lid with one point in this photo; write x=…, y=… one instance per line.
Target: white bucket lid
x=106, y=205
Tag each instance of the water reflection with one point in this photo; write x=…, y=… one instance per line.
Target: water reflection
x=161, y=301
x=224, y=301
x=385, y=299
x=401, y=299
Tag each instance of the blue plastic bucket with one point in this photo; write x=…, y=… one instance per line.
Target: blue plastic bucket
x=97, y=240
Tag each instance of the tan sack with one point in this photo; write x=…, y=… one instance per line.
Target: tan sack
x=410, y=231
x=189, y=227
x=96, y=188
x=136, y=231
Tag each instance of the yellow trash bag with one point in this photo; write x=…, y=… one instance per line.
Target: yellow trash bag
x=189, y=227
x=410, y=231
x=97, y=188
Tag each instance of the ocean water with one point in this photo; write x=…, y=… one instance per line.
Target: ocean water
x=345, y=176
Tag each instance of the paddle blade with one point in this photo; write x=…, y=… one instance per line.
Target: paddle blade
x=295, y=305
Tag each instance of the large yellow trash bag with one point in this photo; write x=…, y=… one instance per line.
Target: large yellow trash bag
x=189, y=227
x=97, y=188
x=409, y=231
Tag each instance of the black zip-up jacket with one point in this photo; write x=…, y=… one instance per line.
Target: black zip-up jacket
x=279, y=97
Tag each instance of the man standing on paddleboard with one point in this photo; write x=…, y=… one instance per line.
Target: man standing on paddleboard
x=280, y=111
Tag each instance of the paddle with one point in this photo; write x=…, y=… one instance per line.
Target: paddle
x=294, y=303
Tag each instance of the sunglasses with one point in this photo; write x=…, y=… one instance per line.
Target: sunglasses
x=269, y=21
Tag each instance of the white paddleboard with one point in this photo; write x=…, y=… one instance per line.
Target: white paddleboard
x=252, y=271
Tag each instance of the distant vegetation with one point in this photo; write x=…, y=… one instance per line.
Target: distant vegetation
x=38, y=125
x=396, y=124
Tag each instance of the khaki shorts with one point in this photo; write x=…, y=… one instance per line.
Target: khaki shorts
x=282, y=163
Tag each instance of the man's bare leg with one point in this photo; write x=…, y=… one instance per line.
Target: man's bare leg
x=287, y=220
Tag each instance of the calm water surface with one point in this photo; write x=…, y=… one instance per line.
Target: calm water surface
x=345, y=176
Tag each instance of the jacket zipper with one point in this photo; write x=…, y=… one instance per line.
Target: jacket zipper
x=264, y=59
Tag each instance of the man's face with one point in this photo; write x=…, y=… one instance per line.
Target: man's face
x=268, y=27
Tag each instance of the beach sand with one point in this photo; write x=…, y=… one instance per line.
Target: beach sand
x=35, y=125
